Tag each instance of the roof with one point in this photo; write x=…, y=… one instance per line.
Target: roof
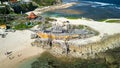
x=3, y=26
x=32, y=16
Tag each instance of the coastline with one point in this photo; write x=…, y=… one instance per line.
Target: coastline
x=19, y=43
x=21, y=39
x=26, y=53
x=10, y=43
x=41, y=10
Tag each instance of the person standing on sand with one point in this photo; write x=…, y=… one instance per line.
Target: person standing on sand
x=50, y=41
x=67, y=47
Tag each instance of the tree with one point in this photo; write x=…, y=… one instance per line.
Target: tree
x=3, y=1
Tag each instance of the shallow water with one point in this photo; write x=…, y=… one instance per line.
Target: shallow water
x=90, y=9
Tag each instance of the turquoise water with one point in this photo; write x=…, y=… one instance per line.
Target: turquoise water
x=96, y=10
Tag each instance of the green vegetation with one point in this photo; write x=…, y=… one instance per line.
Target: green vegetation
x=17, y=22
x=107, y=59
x=47, y=2
x=3, y=1
x=17, y=8
x=5, y=10
x=102, y=20
x=113, y=21
x=47, y=60
x=23, y=26
x=110, y=21
x=23, y=7
x=20, y=22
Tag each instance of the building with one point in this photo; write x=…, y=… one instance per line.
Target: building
x=32, y=16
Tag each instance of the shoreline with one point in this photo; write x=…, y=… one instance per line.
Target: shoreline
x=26, y=53
x=20, y=38
x=19, y=43
x=39, y=11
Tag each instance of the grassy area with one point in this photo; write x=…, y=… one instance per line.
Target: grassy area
x=21, y=25
x=109, y=59
x=18, y=21
x=110, y=21
x=113, y=21
x=47, y=2
x=47, y=60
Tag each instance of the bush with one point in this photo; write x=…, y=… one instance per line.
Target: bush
x=46, y=2
x=23, y=7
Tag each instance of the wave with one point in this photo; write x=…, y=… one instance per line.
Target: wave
x=117, y=2
x=117, y=7
x=98, y=3
x=103, y=4
x=95, y=4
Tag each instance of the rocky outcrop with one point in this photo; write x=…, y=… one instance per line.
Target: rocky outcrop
x=90, y=50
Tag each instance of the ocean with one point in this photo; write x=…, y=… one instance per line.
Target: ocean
x=93, y=9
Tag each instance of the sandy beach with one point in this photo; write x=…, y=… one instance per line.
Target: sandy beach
x=102, y=28
x=109, y=28
x=41, y=10
x=19, y=42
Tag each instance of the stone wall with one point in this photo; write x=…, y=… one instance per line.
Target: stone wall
x=90, y=50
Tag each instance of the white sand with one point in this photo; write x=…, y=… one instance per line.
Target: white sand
x=49, y=8
x=19, y=42
x=25, y=54
x=109, y=28
x=102, y=28
x=15, y=41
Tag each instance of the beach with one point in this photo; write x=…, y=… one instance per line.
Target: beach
x=41, y=10
x=19, y=42
x=102, y=28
